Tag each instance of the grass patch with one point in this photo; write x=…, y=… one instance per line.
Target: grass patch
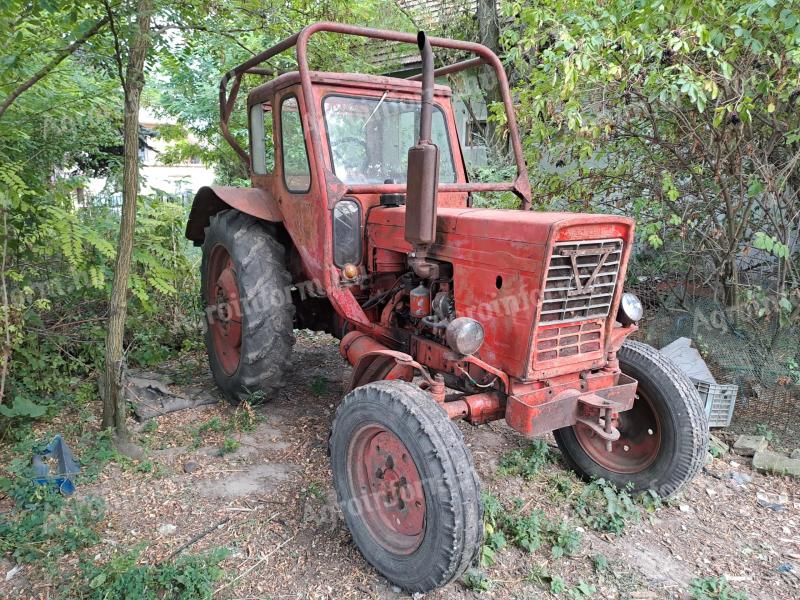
x=526, y=462
x=581, y=590
x=244, y=419
x=189, y=577
x=605, y=508
x=229, y=445
x=319, y=386
x=43, y=525
x=529, y=531
x=715, y=588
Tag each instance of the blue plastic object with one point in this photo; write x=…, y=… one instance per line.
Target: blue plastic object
x=67, y=467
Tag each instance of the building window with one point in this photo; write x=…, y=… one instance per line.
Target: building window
x=476, y=132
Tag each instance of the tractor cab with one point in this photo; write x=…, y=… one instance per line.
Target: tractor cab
x=366, y=125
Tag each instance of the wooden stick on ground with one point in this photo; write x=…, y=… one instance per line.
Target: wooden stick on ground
x=194, y=539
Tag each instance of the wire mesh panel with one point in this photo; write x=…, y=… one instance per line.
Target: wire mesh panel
x=755, y=353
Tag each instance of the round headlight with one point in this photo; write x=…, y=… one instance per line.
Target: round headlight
x=630, y=309
x=464, y=335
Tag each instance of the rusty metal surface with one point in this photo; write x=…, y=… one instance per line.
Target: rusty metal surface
x=383, y=476
x=225, y=311
x=552, y=408
x=521, y=185
x=484, y=245
x=636, y=444
x=209, y=200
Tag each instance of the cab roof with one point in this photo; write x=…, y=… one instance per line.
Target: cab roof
x=264, y=92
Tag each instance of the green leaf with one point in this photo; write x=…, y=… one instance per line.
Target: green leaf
x=22, y=407
x=97, y=581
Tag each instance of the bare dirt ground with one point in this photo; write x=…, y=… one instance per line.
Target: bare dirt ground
x=271, y=503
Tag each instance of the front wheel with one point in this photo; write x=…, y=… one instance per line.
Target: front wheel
x=663, y=438
x=406, y=484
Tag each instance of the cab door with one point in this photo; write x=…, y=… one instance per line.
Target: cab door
x=294, y=185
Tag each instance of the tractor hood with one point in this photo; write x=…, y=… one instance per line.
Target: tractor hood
x=511, y=272
x=525, y=228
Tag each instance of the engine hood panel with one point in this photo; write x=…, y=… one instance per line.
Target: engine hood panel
x=500, y=259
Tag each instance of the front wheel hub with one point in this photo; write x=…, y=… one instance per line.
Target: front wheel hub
x=388, y=487
x=638, y=444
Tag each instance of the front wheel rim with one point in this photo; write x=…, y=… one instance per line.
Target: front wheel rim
x=225, y=311
x=639, y=442
x=386, y=489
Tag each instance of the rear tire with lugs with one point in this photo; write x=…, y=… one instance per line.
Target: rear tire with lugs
x=663, y=438
x=247, y=305
x=406, y=484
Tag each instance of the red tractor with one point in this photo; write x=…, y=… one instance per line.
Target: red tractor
x=360, y=223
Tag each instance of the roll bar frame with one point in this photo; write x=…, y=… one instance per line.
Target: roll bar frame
x=520, y=186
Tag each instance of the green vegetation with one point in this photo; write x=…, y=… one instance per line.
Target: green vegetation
x=683, y=115
x=189, y=577
x=229, y=445
x=764, y=430
x=716, y=72
x=600, y=563
x=526, y=462
x=43, y=525
x=581, y=590
x=477, y=581
x=528, y=530
x=715, y=588
x=604, y=507
x=319, y=386
x=244, y=419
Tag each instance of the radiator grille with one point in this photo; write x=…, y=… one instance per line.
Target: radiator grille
x=568, y=340
x=581, y=280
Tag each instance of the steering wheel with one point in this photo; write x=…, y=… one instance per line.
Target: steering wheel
x=358, y=142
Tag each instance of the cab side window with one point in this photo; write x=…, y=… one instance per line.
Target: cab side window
x=262, y=149
x=296, y=170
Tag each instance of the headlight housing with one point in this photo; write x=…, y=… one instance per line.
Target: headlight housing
x=464, y=335
x=630, y=309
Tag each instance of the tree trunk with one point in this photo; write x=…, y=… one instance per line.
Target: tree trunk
x=114, y=406
x=489, y=36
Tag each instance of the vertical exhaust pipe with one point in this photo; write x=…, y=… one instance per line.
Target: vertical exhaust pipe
x=422, y=181
x=427, y=88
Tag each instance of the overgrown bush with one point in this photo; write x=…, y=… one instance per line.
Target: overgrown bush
x=682, y=114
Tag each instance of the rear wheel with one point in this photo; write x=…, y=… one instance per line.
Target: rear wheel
x=406, y=484
x=663, y=438
x=248, y=310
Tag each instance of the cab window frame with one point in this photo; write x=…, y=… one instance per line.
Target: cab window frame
x=258, y=143
x=283, y=100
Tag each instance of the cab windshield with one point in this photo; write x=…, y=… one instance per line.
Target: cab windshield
x=369, y=138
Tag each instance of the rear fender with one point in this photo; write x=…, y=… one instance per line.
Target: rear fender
x=210, y=200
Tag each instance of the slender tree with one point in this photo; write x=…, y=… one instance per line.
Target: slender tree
x=489, y=36
x=132, y=79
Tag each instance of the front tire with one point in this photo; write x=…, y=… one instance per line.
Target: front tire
x=248, y=308
x=663, y=438
x=406, y=484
